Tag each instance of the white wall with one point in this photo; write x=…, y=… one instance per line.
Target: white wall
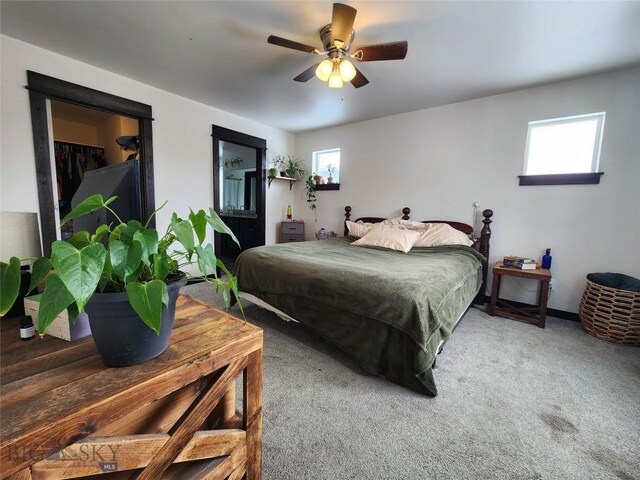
x=439, y=160
x=182, y=145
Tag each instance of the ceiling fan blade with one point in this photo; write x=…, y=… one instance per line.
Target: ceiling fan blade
x=308, y=74
x=381, y=51
x=359, y=80
x=283, y=42
x=342, y=24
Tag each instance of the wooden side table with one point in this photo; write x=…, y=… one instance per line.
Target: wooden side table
x=535, y=315
x=66, y=415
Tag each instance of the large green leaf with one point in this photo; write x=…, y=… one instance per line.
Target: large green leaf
x=161, y=267
x=184, y=232
x=9, y=283
x=146, y=300
x=223, y=267
x=129, y=230
x=88, y=205
x=55, y=299
x=80, y=239
x=79, y=270
x=125, y=259
x=149, y=241
x=207, y=261
x=101, y=231
x=115, y=233
x=219, y=226
x=39, y=272
x=199, y=222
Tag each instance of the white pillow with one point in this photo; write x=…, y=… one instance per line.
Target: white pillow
x=414, y=224
x=389, y=237
x=442, y=234
x=358, y=229
x=392, y=221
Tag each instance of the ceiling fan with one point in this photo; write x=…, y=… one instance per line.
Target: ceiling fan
x=336, y=39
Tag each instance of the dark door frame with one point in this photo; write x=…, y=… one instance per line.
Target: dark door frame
x=42, y=87
x=225, y=135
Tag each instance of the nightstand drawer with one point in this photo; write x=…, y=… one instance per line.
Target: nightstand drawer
x=292, y=227
x=292, y=237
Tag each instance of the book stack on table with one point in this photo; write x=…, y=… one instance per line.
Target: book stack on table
x=522, y=263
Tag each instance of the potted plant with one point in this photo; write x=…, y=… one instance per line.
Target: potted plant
x=317, y=178
x=126, y=278
x=330, y=169
x=294, y=167
x=310, y=189
x=278, y=165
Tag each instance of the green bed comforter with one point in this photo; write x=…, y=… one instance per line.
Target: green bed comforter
x=389, y=310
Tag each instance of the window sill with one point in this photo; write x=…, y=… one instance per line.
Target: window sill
x=328, y=186
x=561, y=179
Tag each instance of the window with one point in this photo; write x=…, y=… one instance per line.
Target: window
x=563, y=150
x=324, y=160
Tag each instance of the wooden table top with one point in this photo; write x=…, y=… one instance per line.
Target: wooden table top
x=535, y=273
x=54, y=392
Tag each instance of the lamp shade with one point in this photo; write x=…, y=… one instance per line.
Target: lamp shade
x=19, y=236
x=324, y=70
x=347, y=70
x=335, y=80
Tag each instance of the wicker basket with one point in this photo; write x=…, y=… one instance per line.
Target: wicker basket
x=611, y=314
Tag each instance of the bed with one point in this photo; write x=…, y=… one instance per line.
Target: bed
x=389, y=310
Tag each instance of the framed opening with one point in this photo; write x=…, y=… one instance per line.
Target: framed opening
x=43, y=88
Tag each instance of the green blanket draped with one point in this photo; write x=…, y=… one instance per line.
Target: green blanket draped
x=387, y=309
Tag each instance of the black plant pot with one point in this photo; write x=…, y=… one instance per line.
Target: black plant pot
x=120, y=335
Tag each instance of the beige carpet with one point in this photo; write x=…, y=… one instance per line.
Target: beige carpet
x=515, y=402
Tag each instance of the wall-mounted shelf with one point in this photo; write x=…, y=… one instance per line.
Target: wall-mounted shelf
x=289, y=179
x=328, y=186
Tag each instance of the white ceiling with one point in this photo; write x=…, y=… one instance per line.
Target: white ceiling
x=216, y=52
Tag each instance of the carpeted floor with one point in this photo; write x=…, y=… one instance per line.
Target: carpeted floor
x=515, y=402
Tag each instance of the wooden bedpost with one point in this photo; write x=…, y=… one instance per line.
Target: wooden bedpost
x=347, y=216
x=405, y=213
x=485, y=236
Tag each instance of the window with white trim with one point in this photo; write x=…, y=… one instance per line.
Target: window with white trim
x=327, y=164
x=564, y=149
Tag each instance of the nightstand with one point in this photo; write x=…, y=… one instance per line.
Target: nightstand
x=292, y=232
x=535, y=315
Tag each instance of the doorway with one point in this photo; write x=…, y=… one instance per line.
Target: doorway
x=84, y=140
x=44, y=89
x=239, y=190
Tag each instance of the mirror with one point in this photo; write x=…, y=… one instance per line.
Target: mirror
x=43, y=88
x=238, y=186
x=239, y=189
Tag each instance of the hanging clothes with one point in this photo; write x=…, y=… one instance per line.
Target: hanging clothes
x=72, y=161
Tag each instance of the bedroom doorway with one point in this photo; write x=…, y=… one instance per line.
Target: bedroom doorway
x=42, y=91
x=239, y=190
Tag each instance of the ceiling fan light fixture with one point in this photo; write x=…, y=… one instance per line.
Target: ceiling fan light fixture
x=347, y=70
x=335, y=79
x=324, y=70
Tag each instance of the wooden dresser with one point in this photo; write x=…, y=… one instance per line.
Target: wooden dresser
x=66, y=415
x=292, y=232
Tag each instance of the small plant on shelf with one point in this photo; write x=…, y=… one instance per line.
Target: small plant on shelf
x=278, y=166
x=331, y=169
x=293, y=167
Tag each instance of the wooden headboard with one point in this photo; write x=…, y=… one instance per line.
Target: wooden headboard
x=481, y=243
